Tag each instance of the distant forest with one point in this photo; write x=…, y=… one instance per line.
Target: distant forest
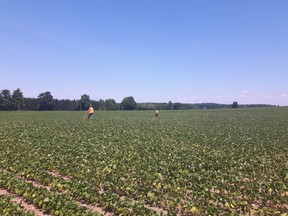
x=45, y=101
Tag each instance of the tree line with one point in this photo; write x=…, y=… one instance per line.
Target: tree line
x=45, y=101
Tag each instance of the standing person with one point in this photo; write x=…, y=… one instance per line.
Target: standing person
x=156, y=113
x=90, y=112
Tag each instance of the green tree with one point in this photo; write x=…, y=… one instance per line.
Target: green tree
x=6, y=100
x=1, y=101
x=145, y=106
x=235, y=105
x=170, y=105
x=30, y=103
x=17, y=98
x=45, y=101
x=128, y=103
x=84, y=102
x=110, y=104
x=101, y=104
x=177, y=106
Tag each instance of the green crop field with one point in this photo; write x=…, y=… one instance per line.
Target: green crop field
x=196, y=162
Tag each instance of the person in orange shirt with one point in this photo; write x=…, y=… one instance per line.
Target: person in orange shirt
x=90, y=112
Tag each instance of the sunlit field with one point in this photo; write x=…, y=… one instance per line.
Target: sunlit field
x=196, y=162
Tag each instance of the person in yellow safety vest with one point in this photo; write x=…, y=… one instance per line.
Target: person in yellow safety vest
x=90, y=112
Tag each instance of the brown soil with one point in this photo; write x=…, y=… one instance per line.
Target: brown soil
x=25, y=205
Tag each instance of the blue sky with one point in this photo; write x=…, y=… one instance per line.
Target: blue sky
x=186, y=51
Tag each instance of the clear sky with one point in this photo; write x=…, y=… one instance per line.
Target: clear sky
x=188, y=51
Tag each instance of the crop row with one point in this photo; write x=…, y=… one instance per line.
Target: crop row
x=49, y=201
x=9, y=207
x=65, y=189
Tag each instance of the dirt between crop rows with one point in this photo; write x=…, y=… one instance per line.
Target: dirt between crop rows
x=27, y=207
x=48, y=188
x=95, y=208
x=159, y=211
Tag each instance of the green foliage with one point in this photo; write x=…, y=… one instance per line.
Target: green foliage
x=128, y=103
x=17, y=98
x=11, y=102
x=177, y=106
x=101, y=104
x=170, y=105
x=45, y=101
x=110, y=104
x=6, y=100
x=205, y=162
x=30, y=103
x=235, y=105
x=8, y=207
x=48, y=201
x=84, y=102
x=145, y=106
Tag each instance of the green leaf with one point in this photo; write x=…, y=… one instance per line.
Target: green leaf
x=286, y=177
x=46, y=200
